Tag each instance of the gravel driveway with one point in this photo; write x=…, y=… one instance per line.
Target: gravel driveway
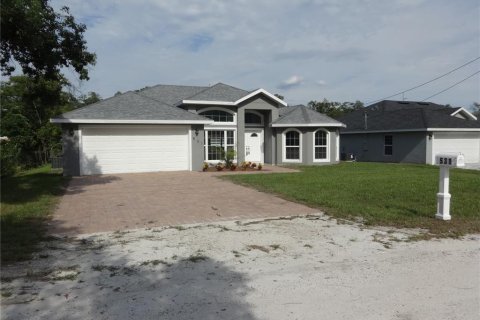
x=299, y=268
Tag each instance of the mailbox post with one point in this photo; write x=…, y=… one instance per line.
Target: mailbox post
x=446, y=161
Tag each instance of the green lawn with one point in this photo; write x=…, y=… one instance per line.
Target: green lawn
x=399, y=195
x=27, y=200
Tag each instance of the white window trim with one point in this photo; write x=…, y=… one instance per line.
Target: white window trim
x=386, y=145
x=284, y=147
x=262, y=121
x=205, y=146
x=327, y=159
x=213, y=123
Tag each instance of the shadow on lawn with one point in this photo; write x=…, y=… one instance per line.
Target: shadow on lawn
x=28, y=202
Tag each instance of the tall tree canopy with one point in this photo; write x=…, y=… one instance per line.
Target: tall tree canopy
x=42, y=41
x=335, y=109
x=27, y=104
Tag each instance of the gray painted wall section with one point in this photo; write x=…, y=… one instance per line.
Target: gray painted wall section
x=240, y=135
x=307, y=146
x=269, y=109
x=198, y=147
x=408, y=147
x=70, y=150
x=266, y=106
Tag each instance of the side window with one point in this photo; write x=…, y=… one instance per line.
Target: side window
x=388, y=145
x=320, y=145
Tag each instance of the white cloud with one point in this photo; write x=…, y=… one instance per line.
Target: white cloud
x=321, y=83
x=291, y=82
x=367, y=50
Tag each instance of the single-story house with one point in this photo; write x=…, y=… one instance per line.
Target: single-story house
x=171, y=127
x=409, y=131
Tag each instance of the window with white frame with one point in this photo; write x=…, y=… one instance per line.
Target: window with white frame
x=218, y=115
x=320, y=141
x=217, y=143
x=292, y=146
x=388, y=145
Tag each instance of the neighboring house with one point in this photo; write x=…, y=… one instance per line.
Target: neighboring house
x=408, y=131
x=169, y=127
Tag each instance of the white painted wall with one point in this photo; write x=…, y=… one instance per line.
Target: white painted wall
x=467, y=143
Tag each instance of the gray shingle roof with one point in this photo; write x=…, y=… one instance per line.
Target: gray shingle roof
x=404, y=115
x=155, y=103
x=219, y=92
x=302, y=115
x=171, y=94
x=131, y=106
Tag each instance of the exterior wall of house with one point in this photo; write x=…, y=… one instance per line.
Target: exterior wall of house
x=267, y=107
x=70, y=150
x=408, y=147
x=307, y=151
x=198, y=147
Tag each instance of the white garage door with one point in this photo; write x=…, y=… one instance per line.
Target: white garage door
x=467, y=143
x=133, y=148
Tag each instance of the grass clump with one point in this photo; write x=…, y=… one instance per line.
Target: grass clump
x=155, y=262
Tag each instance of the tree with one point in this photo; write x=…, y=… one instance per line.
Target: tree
x=27, y=106
x=335, y=109
x=89, y=98
x=42, y=41
x=279, y=96
x=476, y=109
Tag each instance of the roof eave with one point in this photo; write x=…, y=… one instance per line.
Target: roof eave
x=126, y=121
x=413, y=130
x=265, y=92
x=466, y=112
x=233, y=103
x=205, y=102
x=324, y=124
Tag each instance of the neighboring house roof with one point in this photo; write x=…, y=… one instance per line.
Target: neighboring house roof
x=302, y=116
x=118, y=109
x=391, y=115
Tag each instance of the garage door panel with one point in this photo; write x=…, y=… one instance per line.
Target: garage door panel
x=467, y=143
x=134, y=149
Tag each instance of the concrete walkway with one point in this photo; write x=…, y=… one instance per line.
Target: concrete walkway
x=128, y=201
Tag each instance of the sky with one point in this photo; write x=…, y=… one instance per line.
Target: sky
x=304, y=50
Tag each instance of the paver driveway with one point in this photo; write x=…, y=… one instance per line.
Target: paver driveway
x=116, y=202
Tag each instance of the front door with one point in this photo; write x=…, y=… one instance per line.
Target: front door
x=254, y=145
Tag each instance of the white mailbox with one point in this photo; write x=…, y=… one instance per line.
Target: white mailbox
x=451, y=160
x=446, y=161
